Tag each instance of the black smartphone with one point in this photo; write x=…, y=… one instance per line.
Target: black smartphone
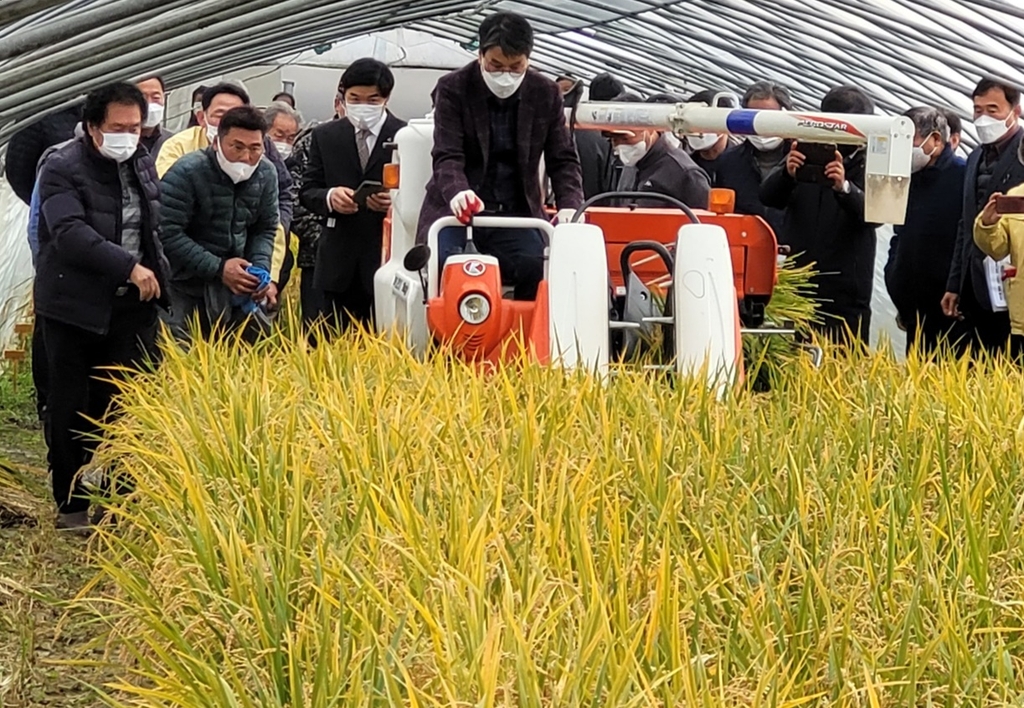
x=366, y=190
x=818, y=155
x=1009, y=205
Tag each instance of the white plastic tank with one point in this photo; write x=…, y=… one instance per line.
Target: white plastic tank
x=398, y=294
x=707, y=333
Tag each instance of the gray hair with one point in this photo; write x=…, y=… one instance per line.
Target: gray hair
x=280, y=108
x=764, y=90
x=928, y=120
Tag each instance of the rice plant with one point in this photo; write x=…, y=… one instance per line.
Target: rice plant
x=348, y=526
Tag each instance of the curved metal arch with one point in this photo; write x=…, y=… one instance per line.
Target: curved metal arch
x=903, y=52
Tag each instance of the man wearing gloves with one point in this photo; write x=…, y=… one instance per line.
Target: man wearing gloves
x=343, y=155
x=493, y=120
x=992, y=167
x=219, y=219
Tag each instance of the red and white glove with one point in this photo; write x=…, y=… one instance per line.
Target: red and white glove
x=465, y=205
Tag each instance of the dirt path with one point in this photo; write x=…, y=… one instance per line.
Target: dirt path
x=40, y=571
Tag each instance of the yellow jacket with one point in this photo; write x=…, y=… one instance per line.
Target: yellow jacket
x=1002, y=239
x=190, y=140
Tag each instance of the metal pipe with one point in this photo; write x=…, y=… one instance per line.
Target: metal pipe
x=14, y=10
x=55, y=32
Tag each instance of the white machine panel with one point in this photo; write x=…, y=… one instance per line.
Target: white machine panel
x=578, y=297
x=706, y=319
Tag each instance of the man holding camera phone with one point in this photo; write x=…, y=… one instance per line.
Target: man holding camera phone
x=341, y=183
x=821, y=189
x=993, y=167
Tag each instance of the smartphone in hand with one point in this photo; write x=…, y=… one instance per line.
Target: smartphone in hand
x=819, y=155
x=1009, y=205
x=366, y=190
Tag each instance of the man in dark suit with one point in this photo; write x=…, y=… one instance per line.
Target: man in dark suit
x=343, y=154
x=921, y=248
x=493, y=119
x=991, y=168
x=594, y=150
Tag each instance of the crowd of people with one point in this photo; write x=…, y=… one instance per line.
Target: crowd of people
x=131, y=225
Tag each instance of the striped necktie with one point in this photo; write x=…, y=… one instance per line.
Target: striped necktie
x=362, y=143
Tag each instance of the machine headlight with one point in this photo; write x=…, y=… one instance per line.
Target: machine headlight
x=475, y=309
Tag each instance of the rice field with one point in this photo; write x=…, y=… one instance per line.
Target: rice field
x=348, y=526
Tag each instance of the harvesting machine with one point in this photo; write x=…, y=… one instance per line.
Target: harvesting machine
x=615, y=274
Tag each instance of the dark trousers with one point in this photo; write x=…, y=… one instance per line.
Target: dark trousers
x=81, y=390
x=311, y=300
x=930, y=330
x=353, y=306
x=989, y=330
x=188, y=310
x=286, y=269
x=520, y=254
x=40, y=372
x=846, y=329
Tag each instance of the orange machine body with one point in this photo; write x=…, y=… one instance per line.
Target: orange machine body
x=752, y=244
x=514, y=327
x=511, y=326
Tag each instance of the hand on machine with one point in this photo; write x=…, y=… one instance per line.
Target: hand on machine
x=465, y=205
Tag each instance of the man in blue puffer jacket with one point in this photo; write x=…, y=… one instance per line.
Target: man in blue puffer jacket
x=219, y=219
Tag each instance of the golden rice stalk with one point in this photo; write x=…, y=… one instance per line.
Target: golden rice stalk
x=350, y=526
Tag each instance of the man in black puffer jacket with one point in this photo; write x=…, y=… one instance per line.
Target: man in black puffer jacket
x=219, y=220
x=100, y=274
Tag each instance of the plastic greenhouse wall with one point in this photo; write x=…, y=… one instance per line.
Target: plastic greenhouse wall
x=16, y=266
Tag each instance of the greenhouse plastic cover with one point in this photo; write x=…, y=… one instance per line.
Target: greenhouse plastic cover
x=902, y=52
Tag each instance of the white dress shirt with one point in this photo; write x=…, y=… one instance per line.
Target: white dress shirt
x=371, y=142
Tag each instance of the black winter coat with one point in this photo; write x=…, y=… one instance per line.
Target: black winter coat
x=595, y=153
x=921, y=250
x=669, y=170
x=827, y=228
x=29, y=143
x=737, y=170
x=81, y=263
x=968, y=268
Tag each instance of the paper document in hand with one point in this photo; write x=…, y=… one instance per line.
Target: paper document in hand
x=994, y=278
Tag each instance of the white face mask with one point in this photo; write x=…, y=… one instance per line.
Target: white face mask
x=702, y=142
x=119, y=146
x=237, y=171
x=502, y=83
x=765, y=144
x=631, y=154
x=991, y=130
x=154, y=115
x=673, y=141
x=920, y=159
x=211, y=133
x=283, y=149
x=364, y=115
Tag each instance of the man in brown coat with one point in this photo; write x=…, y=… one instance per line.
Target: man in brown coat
x=493, y=120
